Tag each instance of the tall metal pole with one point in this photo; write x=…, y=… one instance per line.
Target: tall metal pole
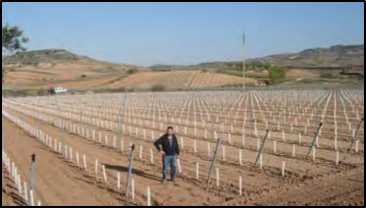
x=218, y=142
x=314, y=139
x=261, y=147
x=243, y=65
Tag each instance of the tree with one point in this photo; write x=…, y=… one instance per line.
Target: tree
x=13, y=41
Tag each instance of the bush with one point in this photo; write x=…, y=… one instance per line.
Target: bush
x=131, y=71
x=83, y=75
x=157, y=88
x=276, y=74
x=327, y=75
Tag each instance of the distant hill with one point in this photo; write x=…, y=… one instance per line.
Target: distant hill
x=51, y=66
x=48, y=56
x=59, y=67
x=333, y=57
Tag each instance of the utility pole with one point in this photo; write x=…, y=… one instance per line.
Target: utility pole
x=243, y=65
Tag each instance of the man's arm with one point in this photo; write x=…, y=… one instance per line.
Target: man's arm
x=158, y=142
x=176, y=146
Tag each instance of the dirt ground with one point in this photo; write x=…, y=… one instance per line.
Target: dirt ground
x=60, y=182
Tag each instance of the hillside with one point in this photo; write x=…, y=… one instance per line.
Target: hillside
x=57, y=67
x=52, y=66
x=334, y=56
x=339, y=63
x=44, y=56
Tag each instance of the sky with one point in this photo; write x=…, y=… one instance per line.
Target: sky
x=185, y=33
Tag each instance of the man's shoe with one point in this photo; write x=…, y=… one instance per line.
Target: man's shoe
x=162, y=181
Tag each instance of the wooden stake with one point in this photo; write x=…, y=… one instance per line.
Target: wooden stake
x=261, y=161
x=197, y=170
x=118, y=180
x=31, y=197
x=275, y=147
x=179, y=166
x=133, y=188
x=151, y=156
x=140, y=152
x=84, y=161
x=240, y=185
x=25, y=191
x=299, y=137
x=240, y=157
x=77, y=159
x=122, y=145
x=194, y=146
x=96, y=169
x=148, y=196
x=217, y=177
x=208, y=149
x=104, y=174
x=182, y=142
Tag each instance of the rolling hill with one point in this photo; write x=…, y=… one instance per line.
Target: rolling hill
x=58, y=67
x=332, y=57
x=318, y=64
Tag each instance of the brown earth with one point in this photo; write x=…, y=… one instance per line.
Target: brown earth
x=100, y=77
x=307, y=183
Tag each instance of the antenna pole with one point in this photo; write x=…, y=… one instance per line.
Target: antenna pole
x=243, y=66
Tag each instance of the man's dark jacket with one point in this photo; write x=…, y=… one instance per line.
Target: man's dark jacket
x=164, y=142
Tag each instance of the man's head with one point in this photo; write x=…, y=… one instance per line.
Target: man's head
x=170, y=130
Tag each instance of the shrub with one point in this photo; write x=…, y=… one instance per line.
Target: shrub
x=276, y=74
x=327, y=75
x=131, y=71
x=157, y=88
x=83, y=75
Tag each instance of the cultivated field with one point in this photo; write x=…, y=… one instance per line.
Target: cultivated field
x=99, y=77
x=82, y=144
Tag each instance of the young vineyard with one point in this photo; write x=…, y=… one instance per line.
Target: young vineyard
x=257, y=147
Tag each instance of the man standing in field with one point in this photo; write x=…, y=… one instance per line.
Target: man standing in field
x=169, y=151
